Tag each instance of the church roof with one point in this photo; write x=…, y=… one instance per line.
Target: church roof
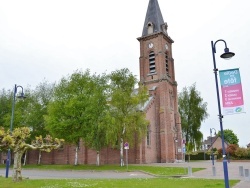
x=144, y=106
x=154, y=16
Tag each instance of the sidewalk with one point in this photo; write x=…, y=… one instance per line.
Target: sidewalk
x=233, y=170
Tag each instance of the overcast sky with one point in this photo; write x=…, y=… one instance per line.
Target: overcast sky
x=48, y=39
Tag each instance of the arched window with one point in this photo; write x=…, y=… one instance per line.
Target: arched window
x=151, y=62
x=148, y=136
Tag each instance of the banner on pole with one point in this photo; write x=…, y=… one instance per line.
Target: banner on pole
x=231, y=91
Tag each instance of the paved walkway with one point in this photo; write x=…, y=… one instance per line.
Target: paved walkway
x=233, y=171
x=208, y=173
x=76, y=174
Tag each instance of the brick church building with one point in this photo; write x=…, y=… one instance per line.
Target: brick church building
x=163, y=142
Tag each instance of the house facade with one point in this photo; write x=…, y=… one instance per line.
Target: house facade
x=213, y=142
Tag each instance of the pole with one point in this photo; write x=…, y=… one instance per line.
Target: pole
x=127, y=158
x=212, y=152
x=203, y=148
x=176, y=149
x=8, y=161
x=225, y=168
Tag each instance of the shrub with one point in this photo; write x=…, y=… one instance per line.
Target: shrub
x=198, y=156
x=241, y=153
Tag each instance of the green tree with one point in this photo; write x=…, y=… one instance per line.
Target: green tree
x=126, y=117
x=20, y=109
x=16, y=140
x=96, y=137
x=30, y=111
x=36, y=109
x=193, y=111
x=77, y=110
x=229, y=136
x=5, y=107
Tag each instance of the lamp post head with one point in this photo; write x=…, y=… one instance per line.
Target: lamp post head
x=227, y=54
x=21, y=96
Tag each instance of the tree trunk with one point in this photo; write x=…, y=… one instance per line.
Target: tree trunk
x=97, y=158
x=76, y=156
x=17, y=167
x=25, y=158
x=39, y=157
x=121, y=152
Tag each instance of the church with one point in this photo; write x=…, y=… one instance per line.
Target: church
x=163, y=142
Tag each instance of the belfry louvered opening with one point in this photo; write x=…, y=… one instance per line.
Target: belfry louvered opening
x=151, y=62
x=166, y=62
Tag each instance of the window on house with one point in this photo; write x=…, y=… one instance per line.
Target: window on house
x=151, y=62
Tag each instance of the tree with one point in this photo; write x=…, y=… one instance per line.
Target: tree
x=96, y=137
x=77, y=110
x=37, y=107
x=126, y=117
x=5, y=106
x=229, y=136
x=30, y=111
x=193, y=111
x=16, y=140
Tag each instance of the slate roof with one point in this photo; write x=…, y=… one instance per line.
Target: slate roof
x=208, y=141
x=143, y=107
x=153, y=15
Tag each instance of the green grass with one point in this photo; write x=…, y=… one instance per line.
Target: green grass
x=111, y=183
x=156, y=170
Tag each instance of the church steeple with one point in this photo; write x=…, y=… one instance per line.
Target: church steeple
x=158, y=74
x=154, y=22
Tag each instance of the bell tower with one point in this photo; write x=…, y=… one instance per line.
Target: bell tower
x=158, y=74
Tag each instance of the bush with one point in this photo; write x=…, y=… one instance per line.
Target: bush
x=243, y=153
x=231, y=149
x=235, y=152
x=198, y=156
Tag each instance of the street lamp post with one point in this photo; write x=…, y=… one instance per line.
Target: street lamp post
x=176, y=149
x=8, y=161
x=212, y=152
x=225, y=55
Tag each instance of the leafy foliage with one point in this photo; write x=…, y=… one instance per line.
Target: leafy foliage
x=126, y=117
x=16, y=140
x=28, y=112
x=242, y=153
x=5, y=106
x=229, y=136
x=98, y=109
x=78, y=107
x=193, y=111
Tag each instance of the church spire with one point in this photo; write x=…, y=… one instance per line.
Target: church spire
x=154, y=22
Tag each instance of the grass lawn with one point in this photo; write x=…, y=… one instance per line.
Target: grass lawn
x=156, y=170
x=163, y=178
x=131, y=183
